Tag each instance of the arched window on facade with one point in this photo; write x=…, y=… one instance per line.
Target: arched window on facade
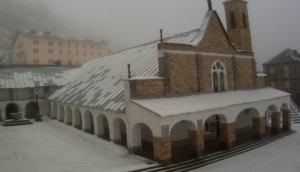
x=232, y=20
x=219, y=76
x=244, y=20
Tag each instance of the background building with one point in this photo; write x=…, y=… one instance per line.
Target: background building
x=32, y=48
x=283, y=73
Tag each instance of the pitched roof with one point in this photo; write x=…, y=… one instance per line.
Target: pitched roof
x=100, y=82
x=29, y=77
x=172, y=106
x=286, y=56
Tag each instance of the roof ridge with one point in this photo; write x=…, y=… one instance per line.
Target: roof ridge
x=151, y=42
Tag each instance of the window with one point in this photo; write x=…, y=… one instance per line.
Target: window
x=60, y=44
x=273, y=84
x=219, y=77
x=287, y=85
x=11, y=94
x=35, y=61
x=92, y=47
x=232, y=20
x=84, y=53
x=35, y=42
x=77, y=53
x=69, y=52
x=286, y=72
x=69, y=62
x=50, y=43
x=99, y=47
x=31, y=93
x=271, y=70
x=51, y=61
x=244, y=20
x=60, y=52
x=76, y=45
x=50, y=51
x=69, y=45
x=84, y=46
x=35, y=50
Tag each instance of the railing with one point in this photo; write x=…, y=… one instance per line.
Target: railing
x=295, y=106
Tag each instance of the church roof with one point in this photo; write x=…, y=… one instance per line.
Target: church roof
x=100, y=82
x=287, y=56
x=172, y=106
x=30, y=77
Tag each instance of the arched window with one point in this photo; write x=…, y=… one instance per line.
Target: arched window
x=219, y=76
x=244, y=20
x=232, y=20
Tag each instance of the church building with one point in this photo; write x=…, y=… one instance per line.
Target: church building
x=179, y=97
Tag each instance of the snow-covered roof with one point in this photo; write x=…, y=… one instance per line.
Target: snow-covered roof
x=100, y=82
x=170, y=106
x=29, y=77
x=287, y=56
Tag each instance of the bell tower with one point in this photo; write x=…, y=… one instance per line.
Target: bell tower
x=238, y=24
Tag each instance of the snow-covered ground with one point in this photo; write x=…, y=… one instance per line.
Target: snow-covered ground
x=51, y=146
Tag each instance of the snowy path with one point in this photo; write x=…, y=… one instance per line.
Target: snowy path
x=280, y=156
x=51, y=146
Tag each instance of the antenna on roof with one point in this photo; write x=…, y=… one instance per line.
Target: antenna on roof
x=209, y=5
x=129, y=74
x=161, y=35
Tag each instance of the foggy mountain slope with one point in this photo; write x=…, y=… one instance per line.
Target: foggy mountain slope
x=22, y=15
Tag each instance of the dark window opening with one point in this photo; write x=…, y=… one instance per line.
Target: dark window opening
x=232, y=20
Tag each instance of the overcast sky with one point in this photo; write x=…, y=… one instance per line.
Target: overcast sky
x=125, y=23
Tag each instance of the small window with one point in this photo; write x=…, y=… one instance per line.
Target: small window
x=84, y=53
x=60, y=44
x=84, y=46
x=287, y=85
x=31, y=93
x=11, y=94
x=77, y=53
x=60, y=52
x=35, y=61
x=286, y=72
x=69, y=45
x=50, y=43
x=69, y=62
x=50, y=51
x=244, y=20
x=92, y=47
x=76, y=45
x=271, y=70
x=273, y=84
x=232, y=20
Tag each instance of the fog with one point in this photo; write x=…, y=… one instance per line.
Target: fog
x=274, y=24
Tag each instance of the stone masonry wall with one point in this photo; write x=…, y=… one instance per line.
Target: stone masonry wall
x=260, y=82
x=244, y=73
x=182, y=73
x=162, y=150
x=147, y=87
x=205, y=74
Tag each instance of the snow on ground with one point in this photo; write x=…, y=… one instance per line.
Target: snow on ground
x=51, y=146
x=280, y=156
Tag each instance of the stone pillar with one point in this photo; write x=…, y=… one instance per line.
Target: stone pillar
x=162, y=150
x=286, y=119
x=227, y=135
x=259, y=127
x=276, y=121
x=196, y=143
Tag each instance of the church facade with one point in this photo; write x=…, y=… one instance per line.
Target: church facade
x=179, y=97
